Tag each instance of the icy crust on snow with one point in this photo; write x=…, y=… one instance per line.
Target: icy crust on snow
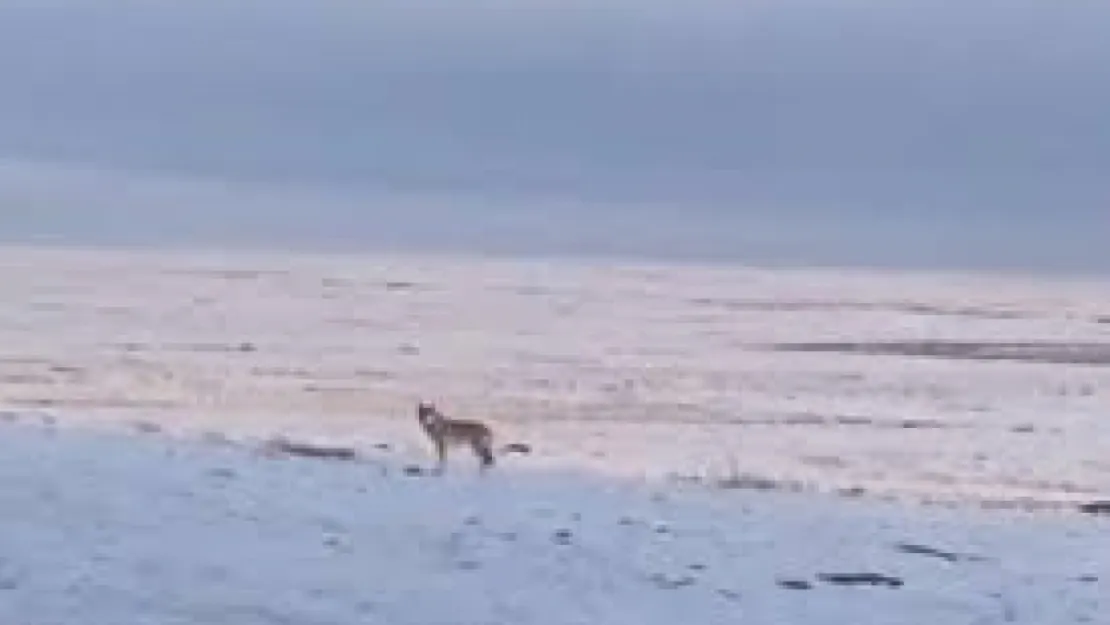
x=100, y=528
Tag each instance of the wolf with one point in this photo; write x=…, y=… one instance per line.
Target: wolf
x=445, y=433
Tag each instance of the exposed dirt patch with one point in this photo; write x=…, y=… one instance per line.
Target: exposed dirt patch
x=1097, y=354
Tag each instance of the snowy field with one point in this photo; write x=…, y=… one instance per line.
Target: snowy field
x=943, y=388
x=710, y=445
x=102, y=528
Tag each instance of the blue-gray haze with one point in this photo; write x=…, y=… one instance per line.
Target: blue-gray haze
x=900, y=133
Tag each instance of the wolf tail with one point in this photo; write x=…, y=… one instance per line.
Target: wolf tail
x=515, y=448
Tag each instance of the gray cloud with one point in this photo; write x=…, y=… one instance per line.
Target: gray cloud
x=770, y=108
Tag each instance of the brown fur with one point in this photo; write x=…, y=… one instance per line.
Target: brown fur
x=445, y=433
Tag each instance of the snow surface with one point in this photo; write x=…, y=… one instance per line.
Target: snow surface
x=136, y=387
x=631, y=370
x=103, y=528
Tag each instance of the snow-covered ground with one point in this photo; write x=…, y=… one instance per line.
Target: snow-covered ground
x=102, y=528
x=137, y=387
x=633, y=370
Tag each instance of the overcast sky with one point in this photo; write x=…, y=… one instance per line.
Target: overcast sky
x=865, y=129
